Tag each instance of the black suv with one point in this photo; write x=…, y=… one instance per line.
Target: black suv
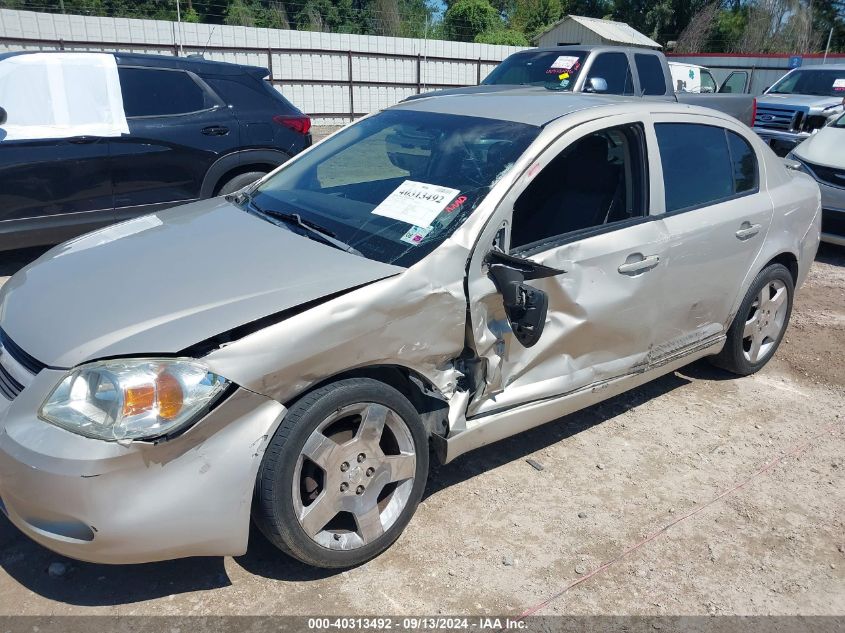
x=197, y=129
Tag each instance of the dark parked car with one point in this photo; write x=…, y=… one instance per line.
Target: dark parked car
x=197, y=129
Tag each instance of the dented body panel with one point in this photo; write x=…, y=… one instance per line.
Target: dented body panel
x=308, y=313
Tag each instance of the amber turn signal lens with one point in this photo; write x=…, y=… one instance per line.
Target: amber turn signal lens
x=138, y=399
x=170, y=396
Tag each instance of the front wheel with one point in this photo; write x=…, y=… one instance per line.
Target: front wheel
x=343, y=475
x=760, y=323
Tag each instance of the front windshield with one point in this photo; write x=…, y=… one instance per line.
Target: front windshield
x=397, y=184
x=822, y=83
x=554, y=70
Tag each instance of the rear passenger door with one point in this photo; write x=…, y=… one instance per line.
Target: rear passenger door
x=178, y=127
x=717, y=218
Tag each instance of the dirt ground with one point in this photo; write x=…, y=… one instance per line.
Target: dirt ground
x=496, y=536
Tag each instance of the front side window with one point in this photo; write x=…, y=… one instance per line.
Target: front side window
x=614, y=69
x=556, y=70
x=735, y=83
x=703, y=164
x=708, y=84
x=822, y=83
x=397, y=184
x=650, y=70
x=156, y=92
x=599, y=180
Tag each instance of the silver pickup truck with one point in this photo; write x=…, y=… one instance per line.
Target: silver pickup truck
x=638, y=72
x=799, y=104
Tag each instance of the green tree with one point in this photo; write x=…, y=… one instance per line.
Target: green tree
x=530, y=17
x=238, y=13
x=465, y=19
x=505, y=37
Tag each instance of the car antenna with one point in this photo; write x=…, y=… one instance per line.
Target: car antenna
x=207, y=42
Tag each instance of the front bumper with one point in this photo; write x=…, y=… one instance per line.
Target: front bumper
x=781, y=141
x=833, y=213
x=107, y=503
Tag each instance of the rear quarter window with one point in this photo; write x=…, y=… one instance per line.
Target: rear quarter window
x=250, y=93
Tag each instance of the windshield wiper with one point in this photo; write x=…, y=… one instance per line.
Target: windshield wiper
x=312, y=228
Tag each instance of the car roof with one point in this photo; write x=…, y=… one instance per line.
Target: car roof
x=194, y=63
x=520, y=104
x=588, y=47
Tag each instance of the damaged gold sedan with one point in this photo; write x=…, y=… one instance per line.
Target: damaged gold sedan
x=447, y=272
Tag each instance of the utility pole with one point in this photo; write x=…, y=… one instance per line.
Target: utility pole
x=829, y=35
x=179, y=21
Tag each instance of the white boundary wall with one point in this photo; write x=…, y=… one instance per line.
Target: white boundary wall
x=372, y=61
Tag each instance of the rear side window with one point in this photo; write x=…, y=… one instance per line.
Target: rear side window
x=154, y=92
x=650, y=70
x=614, y=69
x=703, y=164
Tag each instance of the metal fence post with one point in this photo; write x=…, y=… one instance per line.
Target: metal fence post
x=351, y=88
x=270, y=63
x=419, y=74
x=478, y=73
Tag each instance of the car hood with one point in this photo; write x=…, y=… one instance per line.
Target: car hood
x=466, y=90
x=824, y=148
x=798, y=101
x=160, y=283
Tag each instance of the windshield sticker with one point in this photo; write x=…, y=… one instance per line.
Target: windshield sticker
x=416, y=234
x=564, y=62
x=457, y=204
x=839, y=84
x=416, y=203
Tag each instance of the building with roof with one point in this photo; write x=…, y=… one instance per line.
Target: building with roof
x=575, y=29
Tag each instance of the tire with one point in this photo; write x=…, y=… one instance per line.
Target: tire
x=755, y=334
x=239, y=182
x=356, y=487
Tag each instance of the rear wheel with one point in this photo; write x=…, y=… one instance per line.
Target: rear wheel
x=343, y=475
x=239, y=182
x=760, y=323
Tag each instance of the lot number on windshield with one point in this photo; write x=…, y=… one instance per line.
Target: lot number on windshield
x=416, y=203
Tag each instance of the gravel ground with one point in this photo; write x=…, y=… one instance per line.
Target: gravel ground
x=496, y=536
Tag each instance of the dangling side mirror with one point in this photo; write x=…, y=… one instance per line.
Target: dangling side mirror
x=3, y=116
x=525, y=306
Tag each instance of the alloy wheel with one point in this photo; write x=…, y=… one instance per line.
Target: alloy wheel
x=765, y=321
x=354, y=476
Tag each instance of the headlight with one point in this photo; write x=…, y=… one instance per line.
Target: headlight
x=132, y=398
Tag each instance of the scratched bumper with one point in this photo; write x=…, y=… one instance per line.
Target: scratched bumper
x=106, y=503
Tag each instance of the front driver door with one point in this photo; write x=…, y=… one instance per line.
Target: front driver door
x=583, y=208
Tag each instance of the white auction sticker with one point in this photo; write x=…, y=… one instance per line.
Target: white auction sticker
x=839, y=84
x=564, y=62
x=416, y=203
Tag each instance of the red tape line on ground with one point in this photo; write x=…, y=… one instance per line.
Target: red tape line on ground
x=767, y=467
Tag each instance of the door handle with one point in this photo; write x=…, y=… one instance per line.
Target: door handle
x=83, y=140
x=215, y=130
x=639, y=266
x=747, y=230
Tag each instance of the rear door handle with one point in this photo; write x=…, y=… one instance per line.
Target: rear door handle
x=215, y=130
x=747, y=230
x=83, y=140
x=639, y=266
